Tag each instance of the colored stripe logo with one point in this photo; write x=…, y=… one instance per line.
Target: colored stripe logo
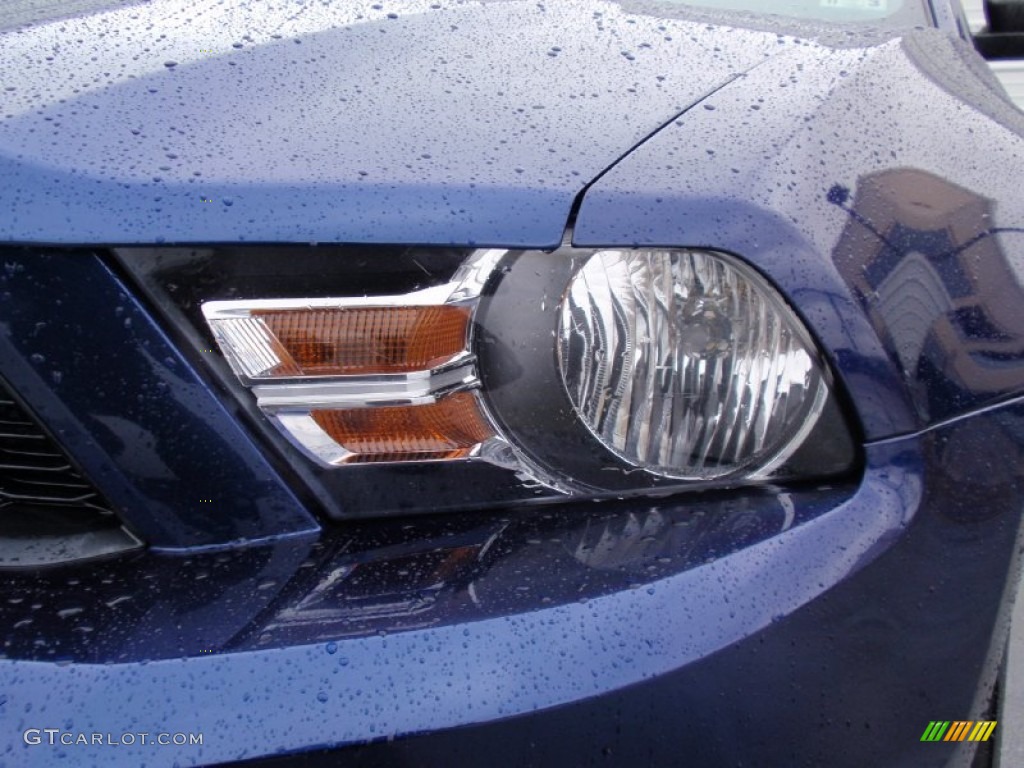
x=959, y=730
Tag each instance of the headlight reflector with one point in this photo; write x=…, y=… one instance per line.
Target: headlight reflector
x=686, y=363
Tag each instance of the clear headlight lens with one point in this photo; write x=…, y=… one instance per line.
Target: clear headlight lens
x=685, y=363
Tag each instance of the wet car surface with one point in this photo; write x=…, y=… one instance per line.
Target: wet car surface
x=181, y=557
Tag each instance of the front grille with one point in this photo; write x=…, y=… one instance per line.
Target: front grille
x=49, y=512
x=33, y=468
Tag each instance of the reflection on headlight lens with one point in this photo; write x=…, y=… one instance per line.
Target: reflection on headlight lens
x=687, y=364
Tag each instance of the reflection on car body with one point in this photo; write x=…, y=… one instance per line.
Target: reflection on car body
x=385, y=387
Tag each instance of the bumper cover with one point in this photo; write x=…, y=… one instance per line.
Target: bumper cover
x=824, y=626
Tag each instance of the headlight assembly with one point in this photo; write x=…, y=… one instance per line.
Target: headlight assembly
x=686, y=364
x=520, y=375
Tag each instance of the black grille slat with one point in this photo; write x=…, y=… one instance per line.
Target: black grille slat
x=64, y=468
x=52, y=483
x=41, y=461
x=27, y=437
x=40, y=454
x=36, y=455
x=20, y=431
x=33, y=468
x=14, y=498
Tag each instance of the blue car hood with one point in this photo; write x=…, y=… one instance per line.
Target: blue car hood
x=401, y=122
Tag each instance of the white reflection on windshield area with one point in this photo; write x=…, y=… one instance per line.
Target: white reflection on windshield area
x=826, y=10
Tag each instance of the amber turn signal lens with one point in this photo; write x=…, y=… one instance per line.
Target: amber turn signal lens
x=446, y=429
x=343, y=341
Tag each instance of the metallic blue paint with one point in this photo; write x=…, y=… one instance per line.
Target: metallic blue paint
x=463, y=136
x=836, y=173
x=681, y=601
x=797, y=626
